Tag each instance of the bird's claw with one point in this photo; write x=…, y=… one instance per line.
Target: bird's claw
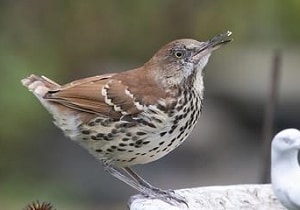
x=168, y=196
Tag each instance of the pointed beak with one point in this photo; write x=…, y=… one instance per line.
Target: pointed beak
x=207, y=47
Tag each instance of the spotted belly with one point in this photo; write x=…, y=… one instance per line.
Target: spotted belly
x=141, y=139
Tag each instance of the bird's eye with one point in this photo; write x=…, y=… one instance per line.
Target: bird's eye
x=287, y=141
x=178, y=54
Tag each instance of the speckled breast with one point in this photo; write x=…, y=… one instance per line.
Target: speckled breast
x=144, y=138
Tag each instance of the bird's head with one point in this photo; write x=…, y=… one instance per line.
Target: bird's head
x=180, y=60
x=286, y=140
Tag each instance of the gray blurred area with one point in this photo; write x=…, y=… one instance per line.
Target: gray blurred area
x=71, y=39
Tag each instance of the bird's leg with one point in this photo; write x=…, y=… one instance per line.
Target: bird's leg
x=164, y=195
x=158, y=193
x=138, y=183
x=142, y=181
x=119, y=174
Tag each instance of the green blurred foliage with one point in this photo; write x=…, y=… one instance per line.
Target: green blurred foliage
x=65, y=39
x=288, y=17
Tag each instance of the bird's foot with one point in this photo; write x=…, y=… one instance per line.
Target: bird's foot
x=168, y=196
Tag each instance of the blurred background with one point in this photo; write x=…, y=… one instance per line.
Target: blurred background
x=71, y=39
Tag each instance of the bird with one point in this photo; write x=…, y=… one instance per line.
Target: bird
x=135, y=116
x=285, y=169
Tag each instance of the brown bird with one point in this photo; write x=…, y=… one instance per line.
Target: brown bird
x=136, y=116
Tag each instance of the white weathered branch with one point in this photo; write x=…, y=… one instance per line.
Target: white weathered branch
x=239, y=197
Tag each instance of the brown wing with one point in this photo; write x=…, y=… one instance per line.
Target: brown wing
x=111, y=95
x=103, y=95
x=141, y=84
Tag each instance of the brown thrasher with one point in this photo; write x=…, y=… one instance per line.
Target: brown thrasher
x=136, y=116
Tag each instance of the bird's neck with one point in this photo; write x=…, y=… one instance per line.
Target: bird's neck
x=198, y=83
x=195, y=82
x=286, y=163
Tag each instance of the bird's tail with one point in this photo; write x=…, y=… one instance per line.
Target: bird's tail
x=39, y=85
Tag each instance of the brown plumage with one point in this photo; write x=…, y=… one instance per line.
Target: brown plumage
x=136, y=116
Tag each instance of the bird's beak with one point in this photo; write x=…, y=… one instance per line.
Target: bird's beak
x=207, y=47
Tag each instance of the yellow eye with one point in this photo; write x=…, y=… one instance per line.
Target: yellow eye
x=178, y=54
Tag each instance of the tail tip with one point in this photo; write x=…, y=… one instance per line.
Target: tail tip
x=35, y=84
